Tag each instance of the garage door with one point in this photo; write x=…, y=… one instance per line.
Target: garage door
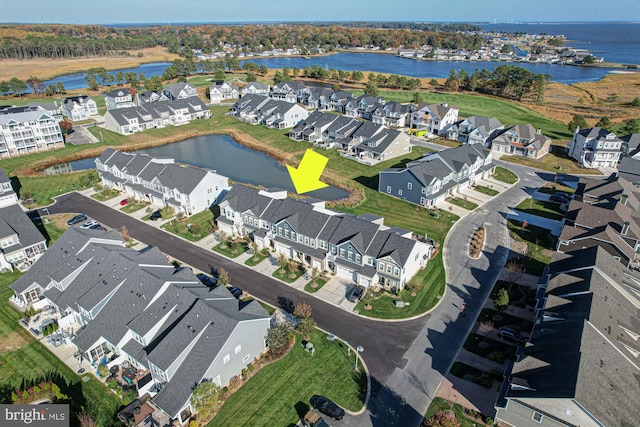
x=365, y=282
x=284, y=250
x=347, y=274
x=316, y=264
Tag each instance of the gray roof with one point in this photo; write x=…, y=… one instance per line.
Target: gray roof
x=515, y=133
x=4, y=178
x=174, y=89
x=23, y=114
x=633, y=142
x=117, y=93
x=629, y=169
x=80, y=99
x=13, y=220
x=148, y=112
x=598, y=133
x=582, y=351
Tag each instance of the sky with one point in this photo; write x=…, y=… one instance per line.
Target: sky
x=216, y=11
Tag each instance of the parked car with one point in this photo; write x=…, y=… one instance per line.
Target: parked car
x=510, y=335
x=97, y=227
x=90, y=224
x=124, y=202
x=313, y=419
x=76, y=219
x=206, y=280
x=355, y=293
x=236, y=292
x=326, y=406
x=156, y=215
x=558, y=199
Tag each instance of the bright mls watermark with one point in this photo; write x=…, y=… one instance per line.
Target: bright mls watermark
x=44, y=415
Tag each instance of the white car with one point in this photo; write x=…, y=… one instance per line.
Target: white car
x=90, y=224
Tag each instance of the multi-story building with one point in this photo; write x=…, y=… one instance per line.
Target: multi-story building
x=188, y=190
x=28, y=130
x=359, y=249
x=291, y=92
x=595, y=147
x=430, y=180
x=474, y=130
x=254, y=88
x=221, y=90
x=79, y=107
x=118, y=98
x=7, y=195
x=521, y=140
x=269, y=112
x=179, y=90
x=433, y=118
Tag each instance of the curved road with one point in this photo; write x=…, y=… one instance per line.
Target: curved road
x=407, y=360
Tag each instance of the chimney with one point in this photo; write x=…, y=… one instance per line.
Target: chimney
x=539, y=131
x=625, y=228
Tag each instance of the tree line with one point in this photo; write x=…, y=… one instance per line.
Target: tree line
x=68, y=41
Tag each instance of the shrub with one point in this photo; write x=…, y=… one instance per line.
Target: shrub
x=25, y=394
x=36, y=389
x=14, y=397
x=250, y=368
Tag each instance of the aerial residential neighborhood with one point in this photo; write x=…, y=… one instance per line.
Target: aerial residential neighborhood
x=267, y=221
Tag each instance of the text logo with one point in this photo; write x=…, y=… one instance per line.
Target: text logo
x=44, y=415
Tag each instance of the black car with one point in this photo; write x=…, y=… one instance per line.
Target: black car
x=236, y=292
x=326, y=406
x=206, y=280
x=76, y=219
x=558, y=199
x=156, y=215
x=355, y=293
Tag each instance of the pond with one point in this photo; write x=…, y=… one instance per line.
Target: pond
x=224, y=155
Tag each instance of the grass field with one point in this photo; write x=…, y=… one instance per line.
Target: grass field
x=485, y=190
x=539, y=243
x=44, y=188
x=192, y=228
x=549, y=210
x=439, y=404
x=551, y=188
x=465, y=204
x=279, y=394
x=505, y=175
x=556, y=161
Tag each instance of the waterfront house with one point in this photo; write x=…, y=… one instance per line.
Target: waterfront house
x=254, y=88
x=269, y=112
x=118, y=98
x=150, y=96
x=339, y=131
x=188, y=190
x=180, y=90
x=433, y=118
x=318, y=98
x=474, y=130
x=431, y=179
x=7, y=195
x=339, y=100
x=383, y=145
x=126, y=121
x=79, y=107
x=28, y=130
x=366, y=105
x=358, y=249
x=521, y=140
x=595, y=147
x=314, y=128
x=392, y=114
x=221, y=90
x=119, y=306
x=291, y=92
x=21, y=243
x=580, y=366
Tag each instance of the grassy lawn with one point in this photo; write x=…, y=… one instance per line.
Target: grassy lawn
x=469, y=105
x=541, y=208
x=475, y=375
x=256, y=259
x=192, y=228
x=287, y=275
x=504, y=175
x=462, y=203
x=551, y=188
x=539, y=243
x=278, y=395
x=465, y=417
x=44, y=188
x=318, y=281
x=228, y=251
x=431, y=281
x=48, y=229
x=23, y=359
x=556, y=161
x=486, y=190
x=503, y=319
x=105, y=194
x=134, y=206
x=489, y=348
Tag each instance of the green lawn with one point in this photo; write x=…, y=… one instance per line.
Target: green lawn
x=431, y=281
x=486, y=190
x=556, y=161
x=192, y=228
x=105, y=194
x=133, y=206
x=229, y=250
x=551, y=188
x=440, y=404
x=538, y=241
x=319, y=284
x=48, y=229
x=287, y=275
x=44, y=188
x=505, y=175
x=256, y=259
x=278, y=395
x=541, y=208
x=508, y=113
x=462, y=203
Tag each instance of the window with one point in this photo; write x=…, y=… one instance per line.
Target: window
x=342, y=252
x=399, y=192
x=293, y=235
x=381, y=265
x=217, y=382
x=358, y=258
x=537, y=416
x=246, y=358
x=422, y=200
x=389, y=268
x=350, y=256
x=396, y=271
x=306, y=240
x=409, y=185
x=226, y=358
x=238, y=349
x=389, y=189
x=370, y=261
x=7, y=242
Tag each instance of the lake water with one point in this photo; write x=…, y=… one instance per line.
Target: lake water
x=224, y=155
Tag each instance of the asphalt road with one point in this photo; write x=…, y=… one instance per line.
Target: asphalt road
x=407, y=360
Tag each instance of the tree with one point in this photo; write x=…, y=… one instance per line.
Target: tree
x=514, y=270
x=263, y=69
x=371, y=89
x=589, y=59
x=125, y=233
x=278, y=338
x=167, y=212
x=604, y=122
x=224, y=238
x=634, y=103
x=251, y=77
x=630, y=126
x=417, y=98
x=205, y=396
x=306, y=327
x=4, y=87
x=577, y=121
x=65, y=126
x=356, y=76
x=17, y=86
x=293, y=267
x=302, y=311
x=36, y=85
x=219, y=75
x=282, y=263
x=223, y=277
x=442, y=419
x=501, y=301
x=255, y=250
